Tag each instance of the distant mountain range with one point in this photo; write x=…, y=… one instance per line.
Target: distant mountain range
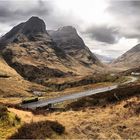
x=104, y=59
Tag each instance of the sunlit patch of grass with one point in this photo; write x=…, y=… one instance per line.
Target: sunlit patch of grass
x=9, y=122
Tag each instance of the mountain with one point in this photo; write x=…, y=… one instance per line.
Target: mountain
x=31, y=51
x=130, y=59
x=68, y=39
x=104, y=59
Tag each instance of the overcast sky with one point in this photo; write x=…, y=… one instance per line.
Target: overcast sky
x=108, y=27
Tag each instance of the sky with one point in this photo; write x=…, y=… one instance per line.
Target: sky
x=108, y=27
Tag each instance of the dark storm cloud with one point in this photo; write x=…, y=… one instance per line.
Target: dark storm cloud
x=109, y=35
x=4, y=11
x=10, y=14
x=125, y=7
x=128, y=14
x=16, y=11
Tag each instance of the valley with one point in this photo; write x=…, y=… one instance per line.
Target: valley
x=50, y=80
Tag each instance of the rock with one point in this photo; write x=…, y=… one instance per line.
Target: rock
x=68, y=39
x=33, y=26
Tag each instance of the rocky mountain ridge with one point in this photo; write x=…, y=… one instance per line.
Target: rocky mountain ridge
x=130, y=59
x=68, y=39
x=37, y=56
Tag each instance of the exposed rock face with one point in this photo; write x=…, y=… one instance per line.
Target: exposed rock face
x=130, y=59
x=31, y=51
x=32, y=30
x=33, y=26
x=68, y=39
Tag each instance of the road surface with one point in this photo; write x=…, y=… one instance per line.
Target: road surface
x=132, y=79
x=43, y=102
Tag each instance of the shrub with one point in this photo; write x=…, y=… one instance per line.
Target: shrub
x=39, y=130
x=3, y=111
x=58, y=128
x=17, y=118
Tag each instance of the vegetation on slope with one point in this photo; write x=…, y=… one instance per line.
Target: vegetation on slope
x=8, y=122
x=103, y=116
x=106, y=120
x=103, y=99
x=61, y=84
x=13, y=127
x=39, y=130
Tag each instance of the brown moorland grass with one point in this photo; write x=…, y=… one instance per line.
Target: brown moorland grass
x=120, y=120
x=114, y=119
x=12, y=84
x=39, y=130
x=9, y=122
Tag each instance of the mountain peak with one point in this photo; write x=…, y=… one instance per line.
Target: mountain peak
x=22, y=31
x=130, y=59
x=34, y=25
x=67, y=29
x=135, y=48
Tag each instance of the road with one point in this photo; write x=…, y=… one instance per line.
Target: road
x=43, y=102
x=132, y=79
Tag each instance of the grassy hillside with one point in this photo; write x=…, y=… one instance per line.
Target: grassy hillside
x=95, y=117
x=103, y=99
x=115, y=121
x=9, y=122
x=12, y=84
x=39, y=130
x=118, y=120
x=13, y=127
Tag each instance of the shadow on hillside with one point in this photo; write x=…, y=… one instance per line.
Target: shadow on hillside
x=39, y=130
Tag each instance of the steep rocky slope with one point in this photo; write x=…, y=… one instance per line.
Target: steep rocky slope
x=130, y=59
x=30, y=50
x=12, y=84
x=68, y=39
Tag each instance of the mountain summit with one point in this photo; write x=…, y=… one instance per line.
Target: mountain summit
x=29, y=30
x=34, y=25
x=68, y=39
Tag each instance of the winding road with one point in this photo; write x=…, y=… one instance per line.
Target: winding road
x=132, y=79
x=43, y=102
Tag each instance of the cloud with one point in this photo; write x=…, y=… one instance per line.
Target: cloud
x=127, y=17
x=125, y=7
x=104, y=33
x=15, y=11
x=104, y=25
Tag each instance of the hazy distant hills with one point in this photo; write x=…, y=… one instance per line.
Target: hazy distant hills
x=104, y=59
x=38, y=55
x=130, y=59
